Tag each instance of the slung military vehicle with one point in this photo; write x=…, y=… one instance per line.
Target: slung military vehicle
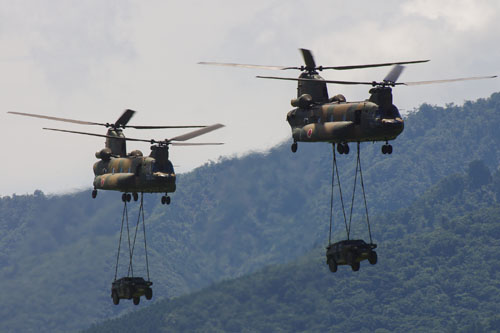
x=319, y=118
x=131, y=288
x=133, y=172
x=350, y=252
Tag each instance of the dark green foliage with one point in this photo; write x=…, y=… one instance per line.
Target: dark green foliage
x=442, y=278
x=233, y=217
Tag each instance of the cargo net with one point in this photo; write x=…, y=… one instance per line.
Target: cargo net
x=335, y=176
x=132, y=243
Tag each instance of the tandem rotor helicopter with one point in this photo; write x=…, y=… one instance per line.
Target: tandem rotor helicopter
x=133, y=172
x=318, y=118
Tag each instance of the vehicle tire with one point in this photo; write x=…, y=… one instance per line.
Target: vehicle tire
x=167, y=201
x=129, y=197
x=389, y=149
x=94, y=194
x=346, y=148
x=136, y=196
x=384, y=149
x=149, y=293
x=163, y=200
x=332, y=264
x=372, y=258
x=124, y=197
x=137, y=300
x=294, y=147
x=340, y=148
x=116, y=299
x=355, y=266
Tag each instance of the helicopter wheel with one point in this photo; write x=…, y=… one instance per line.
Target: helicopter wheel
x=136, y=196
x=294, y=147
x=129, y=197
x=163, y=200
x=389, y=149
x=94, y=194
x=346, y=148
x=124, y=197
x=340, y=148
x=384, y=149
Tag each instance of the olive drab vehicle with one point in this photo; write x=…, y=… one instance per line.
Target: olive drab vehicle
x=320, y=118
x=133, y=173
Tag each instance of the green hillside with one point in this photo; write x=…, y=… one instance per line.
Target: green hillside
x=227, y=219
x=442, y=275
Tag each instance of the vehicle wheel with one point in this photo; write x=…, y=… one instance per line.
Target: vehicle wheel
x=389, y=149
x=346, y=148
x=129, y=197
x=136, y=196
x=355, y=266
x=167, y=200
x=294, y=147
x=372, y=258
x=332, y=264
x=94, y=194
x=124, y=197
x=116, y=299
x=149, y=293
x=340, y=148
x=384, y=149
x=137, y=300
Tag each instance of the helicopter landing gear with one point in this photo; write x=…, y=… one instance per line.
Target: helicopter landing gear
x=136, y=196
x=387, y=149
x=94, y=193
x=294, y=147
x=343, y=148
x=126, y=197
x=165, y=199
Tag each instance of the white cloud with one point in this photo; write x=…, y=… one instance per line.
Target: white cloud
x=90, y=60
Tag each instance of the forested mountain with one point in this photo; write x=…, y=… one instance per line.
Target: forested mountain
x=440, y=274
x=227, y=218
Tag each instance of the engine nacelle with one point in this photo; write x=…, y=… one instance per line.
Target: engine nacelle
x=104, y=154
x=304, y=101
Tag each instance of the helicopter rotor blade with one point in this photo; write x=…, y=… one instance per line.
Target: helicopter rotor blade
x=308, y=59
x=160, y=127
x=124, y=118
x=196, y=133
x=375, y=65
x=196, y=143
x=394, y=74
x=81, y=122
x=245, y=65
x=417, y=83
x=99, y=135
x=314, y=80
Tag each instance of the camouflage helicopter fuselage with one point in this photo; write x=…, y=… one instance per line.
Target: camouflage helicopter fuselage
x=341, y=122
x=134, y=173
x=318, y=118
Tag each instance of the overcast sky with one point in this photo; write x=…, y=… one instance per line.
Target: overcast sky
x=90, y=60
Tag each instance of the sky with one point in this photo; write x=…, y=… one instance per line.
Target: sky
x=90, y=60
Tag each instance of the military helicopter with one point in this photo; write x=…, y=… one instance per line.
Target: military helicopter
x=318, y=118
x=133, y=172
